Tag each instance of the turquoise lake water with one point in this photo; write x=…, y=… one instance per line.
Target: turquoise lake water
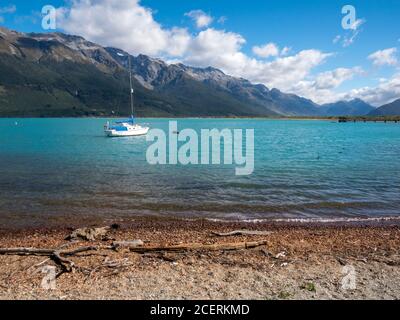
x=303, y=169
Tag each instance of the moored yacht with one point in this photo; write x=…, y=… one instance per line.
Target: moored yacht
x=126, y=128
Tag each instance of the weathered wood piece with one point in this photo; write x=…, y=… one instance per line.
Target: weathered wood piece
x=128, y=244
x=90, y=234
x=201, y=247
x=243, y=233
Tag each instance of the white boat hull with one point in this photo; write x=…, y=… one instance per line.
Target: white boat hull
x=131, y=132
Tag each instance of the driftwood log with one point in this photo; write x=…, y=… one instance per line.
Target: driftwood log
x=243, y=233
x=201, y=247
x=57, y=255
x=127, y=244
x=43, y=252
x=27, y=252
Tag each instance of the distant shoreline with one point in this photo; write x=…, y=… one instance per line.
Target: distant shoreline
x=347, y=118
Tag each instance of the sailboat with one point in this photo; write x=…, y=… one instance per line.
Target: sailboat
x=126, y=128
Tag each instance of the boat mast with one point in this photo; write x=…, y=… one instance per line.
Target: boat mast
x=131, y=84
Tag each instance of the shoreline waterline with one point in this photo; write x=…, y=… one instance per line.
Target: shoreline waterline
x=62, y=223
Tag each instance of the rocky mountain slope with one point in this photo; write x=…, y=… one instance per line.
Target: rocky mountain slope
x=55, y=74
x=390, y=109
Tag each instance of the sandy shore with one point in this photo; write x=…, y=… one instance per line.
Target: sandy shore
x=298, y=262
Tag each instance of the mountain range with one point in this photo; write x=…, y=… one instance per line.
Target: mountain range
x=55, y=74
x=390, y=109
x=354, y=107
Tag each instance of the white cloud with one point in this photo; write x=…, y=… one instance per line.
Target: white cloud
x=201, y=19
x=267, y=50
x=322, y=88
x=333, y=79
x=8, y=9
x=285, y=72
x=270, y=50
x=222, y=50
x=385, y=92
x=384, y=57
x=215, y=47
x=124, y=24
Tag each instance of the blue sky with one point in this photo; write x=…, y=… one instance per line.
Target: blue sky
x=295, y=39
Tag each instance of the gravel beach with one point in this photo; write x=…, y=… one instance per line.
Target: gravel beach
x=299, y=261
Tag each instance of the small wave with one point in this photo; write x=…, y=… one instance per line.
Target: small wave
x=311, y=220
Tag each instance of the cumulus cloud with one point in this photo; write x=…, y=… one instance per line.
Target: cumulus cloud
x=333, y=79
x=384, y=57
x=222, y=49
x=385, y=92
x=270, y=50
x=322, y=88
x=124, y=24
x=285, y=72
x=267, y=50
x=201, y=19
x=215, y=47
